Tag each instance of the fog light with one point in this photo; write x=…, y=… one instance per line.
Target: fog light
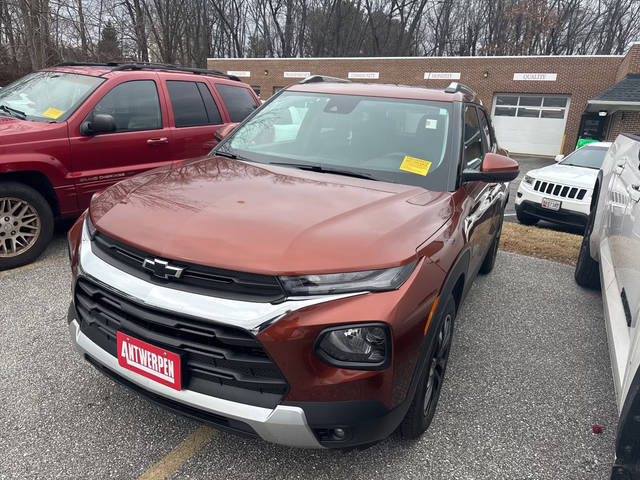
x=339, y=433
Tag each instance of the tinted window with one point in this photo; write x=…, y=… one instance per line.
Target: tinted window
x=188, y=102
x=473, y=149
x=238, y=100
x=133, y=105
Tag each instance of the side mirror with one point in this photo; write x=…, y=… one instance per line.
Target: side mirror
x=100, y=123
x=494, y=169
x=225, y=130
x=559, y=158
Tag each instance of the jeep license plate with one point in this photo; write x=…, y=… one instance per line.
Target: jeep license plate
x=551, y=204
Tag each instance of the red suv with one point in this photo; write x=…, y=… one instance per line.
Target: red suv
x=300, y=283
x=69, y=131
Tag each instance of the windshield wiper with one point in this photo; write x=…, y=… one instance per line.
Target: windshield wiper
x=319, y=168
x=225, y=154
x=12, y=111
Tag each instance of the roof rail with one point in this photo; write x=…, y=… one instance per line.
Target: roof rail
x=116, y=66
x=323, y=78
x=455, y=87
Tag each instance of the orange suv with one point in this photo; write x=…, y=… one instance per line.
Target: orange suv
x=299, y=284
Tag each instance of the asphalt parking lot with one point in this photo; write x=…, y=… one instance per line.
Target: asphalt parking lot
x=529, y=375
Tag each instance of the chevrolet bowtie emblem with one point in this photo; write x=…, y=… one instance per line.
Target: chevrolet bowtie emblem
x=162, y=269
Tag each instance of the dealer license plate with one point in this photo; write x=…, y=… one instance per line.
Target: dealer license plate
x=148, y=360
x=551, y=204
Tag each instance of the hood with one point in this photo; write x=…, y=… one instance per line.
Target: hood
x=266, y=219
x=566, y=175
x=13, y=130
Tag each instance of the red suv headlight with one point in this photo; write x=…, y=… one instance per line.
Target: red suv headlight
x=361, y=346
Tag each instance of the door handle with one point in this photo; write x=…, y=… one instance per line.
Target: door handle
x=157, y=141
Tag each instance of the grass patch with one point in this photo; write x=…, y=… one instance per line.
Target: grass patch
x=540, y=243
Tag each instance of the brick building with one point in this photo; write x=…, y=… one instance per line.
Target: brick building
x=539, y=104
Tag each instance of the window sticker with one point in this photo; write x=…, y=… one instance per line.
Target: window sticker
x=52, y=113
x=431, y=124
x=415, y=165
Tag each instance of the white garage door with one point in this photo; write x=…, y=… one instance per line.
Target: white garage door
x=532, y=124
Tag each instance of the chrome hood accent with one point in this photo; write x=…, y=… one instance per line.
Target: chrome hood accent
x=251, y=316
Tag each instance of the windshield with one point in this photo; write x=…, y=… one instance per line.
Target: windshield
x=394, y=140
x=588, y=157
x=46, y=96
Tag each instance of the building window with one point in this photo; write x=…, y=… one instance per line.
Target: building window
x=256, y=88
x=531, y=106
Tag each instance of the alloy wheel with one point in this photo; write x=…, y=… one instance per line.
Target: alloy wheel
x=19, y=226
x=438, y=365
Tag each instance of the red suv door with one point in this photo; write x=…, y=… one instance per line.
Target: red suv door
x=196, y=117
x=140, y=141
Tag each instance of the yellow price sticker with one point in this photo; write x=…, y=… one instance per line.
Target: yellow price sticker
x=415, y=165
x=52, y=113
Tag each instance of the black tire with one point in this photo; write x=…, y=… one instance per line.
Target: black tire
x=490, y=257
x=587, y=272
x=39, y=224
x=423, y=406
x=525, y=218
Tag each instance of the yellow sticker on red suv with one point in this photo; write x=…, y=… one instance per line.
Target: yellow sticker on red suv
x=415, y=165
x=52, y=113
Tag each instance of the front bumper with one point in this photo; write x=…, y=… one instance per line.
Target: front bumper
x=285, y=424
x=573, y=212
x=563, y=216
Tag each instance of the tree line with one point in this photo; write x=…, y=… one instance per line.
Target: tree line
x=37, y=33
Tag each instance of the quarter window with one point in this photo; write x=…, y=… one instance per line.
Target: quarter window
x=133, y=105
x=473, y=149
x=192, y=104
x=238, y=100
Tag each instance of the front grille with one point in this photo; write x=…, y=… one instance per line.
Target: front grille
x=217, y=360
x=195, y=278
x=558, y=190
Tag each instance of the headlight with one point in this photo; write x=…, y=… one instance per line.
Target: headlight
x=364, y=346
x=528, y=180
x=370, y=280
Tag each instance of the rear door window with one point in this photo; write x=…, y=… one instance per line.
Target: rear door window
x=238, y=100
x=192, y=104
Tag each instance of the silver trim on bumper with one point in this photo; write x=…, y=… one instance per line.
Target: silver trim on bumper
x=284, y=424
x=252, y=316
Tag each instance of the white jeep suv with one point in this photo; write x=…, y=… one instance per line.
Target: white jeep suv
x=561, y=193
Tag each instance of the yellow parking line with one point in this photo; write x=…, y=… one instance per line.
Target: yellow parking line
x=33, y=266
x=179, y=455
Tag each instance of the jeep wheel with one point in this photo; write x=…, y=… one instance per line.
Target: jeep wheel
x=525, y=218
x=425, y=400
x=26, y=224
x=587, y=273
